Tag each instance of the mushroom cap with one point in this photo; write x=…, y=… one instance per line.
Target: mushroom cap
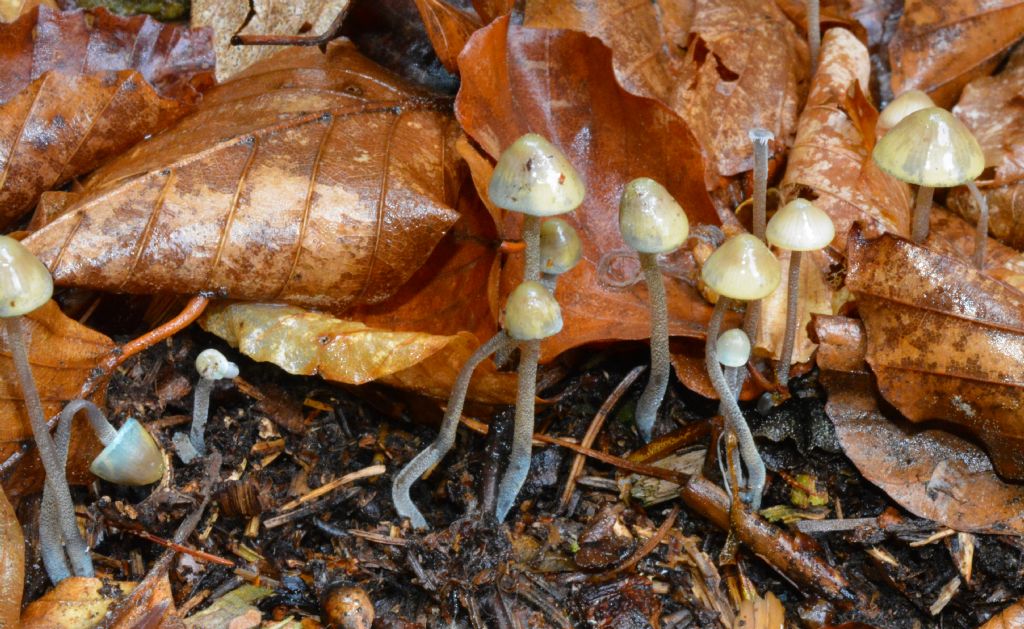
x=800, y=226
x=560, y=247
x=742, y=268
x=532, y=313
x=131, y=458
x=902, y=106
x=25, y=283
x=650, y=220
x=213, y=365
x=931, y=148
x=733, y=348
x=533, y=177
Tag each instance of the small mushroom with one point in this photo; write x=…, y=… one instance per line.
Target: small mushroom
x=531, y=314
x=25, y=285
x=932, y=149
x=560, y=250
x=902, y=106
x=733, y=348
x=799, y=226
x=534, y=178
x=212, y=366
x=652, y=222
x=743, y=268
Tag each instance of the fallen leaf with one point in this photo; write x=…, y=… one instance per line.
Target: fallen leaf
x=227, y=18
x=831, y=158
x=81, y=602
x=940, y=45
x=11, y=10
x=952, y=236
x=12, y=564
x=449, y=28
x=76, y=92
x=62, y=353
x=312, y=179
x=814, y=297
x=1012, y=616
x=945, y=341
x=489, y=10
x=760, y=613
x=560, y=84
x=308, y=343
x=229, y=610
x=992, y=107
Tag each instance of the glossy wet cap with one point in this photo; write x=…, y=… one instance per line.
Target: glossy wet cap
x=800, y=226
x=650, y=220
x=560, y=247
x=132, y=458
x=742, y=268
x=733, y=348
x=213, y=365
x=902, y=106
x=25, y=283
x=532, y=313
x=535, y=178
x=930, y=148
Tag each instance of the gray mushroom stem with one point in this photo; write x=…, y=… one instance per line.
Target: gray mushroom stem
x=813, y=32
x=792, y=304
x=981, y=235
x=77, y=550
x=922, y=211
x=522, y=436
x=432, y=454
x=531, y=238
x=200, y=413
x=734, y=419
x=760, y=138
x=654, y=392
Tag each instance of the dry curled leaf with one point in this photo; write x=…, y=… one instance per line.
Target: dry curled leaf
x=77, y=91
x=945, y=341
x=308, y=343
x=12, y=564
x=831, y=157
x=941, y=45
x=760, y=613
x=1012, y=616
x=449, y=28
x=62, y=353
x=81, y=602
x=11, y=10
x=313, y=179
x=952, y=236
x=560, y=84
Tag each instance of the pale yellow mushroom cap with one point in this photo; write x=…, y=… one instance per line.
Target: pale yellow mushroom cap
x=800, y=226
x=25, y=283
x=733, y=348
x=650, y=220
x=532, y=313
x=213, y=365
x=930, y=148
x=132, y=458
x=535, y=178
x=902, y=106
x=742, y=268
x=560, y=247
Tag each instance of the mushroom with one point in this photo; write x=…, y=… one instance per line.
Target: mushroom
x=130, y=457
x=932, y=149
x=212, y=366
x=531, y=314
x=799, y=226
x=652, y=222
x=902, y=106
x=733, y=348
x=25, y=285
x=534, y=178
x=560, y=251
x=744, y=269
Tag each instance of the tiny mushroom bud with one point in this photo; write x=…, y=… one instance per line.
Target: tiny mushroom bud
x=532, y=313
x=932, y=149
x=799, y=226
x=733, y=348
x=560, y=247
x=652, y=222
x=902, y=106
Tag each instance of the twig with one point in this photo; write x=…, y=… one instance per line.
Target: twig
x=198, y=554
x=379, y=538
x=643, y=551
x=366, y=472
x=295, y=40
x=624, y=464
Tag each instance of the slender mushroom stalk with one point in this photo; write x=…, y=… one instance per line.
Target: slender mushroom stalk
x=742, y=268
x=798, y=227
x=212, y=366
x=932, y=149
x=652, y=222
x=130, y=457
x=760, y=138
x=813, y=32
x=25, y=285
x=531, y=314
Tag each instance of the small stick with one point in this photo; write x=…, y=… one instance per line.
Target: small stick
x=333, y=31
x=185, y=550
x=624, y=464
x=366, y=472
x=643, y=551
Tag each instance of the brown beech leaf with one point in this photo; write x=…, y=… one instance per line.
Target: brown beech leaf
x=62, y=353
x=952, y=236
x=12, y=564
x=831, y=157
x=992, y=107
x=703, y=59
x=1012, y=616
x=941, y=45
x=75, y=92
x=449, y=28
x=560, y=84
x=84, y=601
x=814, y=297
x=945, y=341
x=313, y=179
x=308, y=343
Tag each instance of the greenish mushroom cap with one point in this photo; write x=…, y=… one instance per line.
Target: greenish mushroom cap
x=650, y=219
x=560, y=247
x=533, y=177
x=930, y=148
x=742, y=268
x=25, y=283
x=532, y=313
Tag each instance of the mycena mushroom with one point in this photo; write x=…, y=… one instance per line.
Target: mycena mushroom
x=212, y=366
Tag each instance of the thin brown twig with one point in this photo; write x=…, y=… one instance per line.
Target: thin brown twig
x=185, y=550
x=321, y=40
x=643, y=551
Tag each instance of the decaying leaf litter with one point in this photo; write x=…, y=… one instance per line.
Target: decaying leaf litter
x=323, y=180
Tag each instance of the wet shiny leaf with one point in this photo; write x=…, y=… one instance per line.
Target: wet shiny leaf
x=12, y=564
